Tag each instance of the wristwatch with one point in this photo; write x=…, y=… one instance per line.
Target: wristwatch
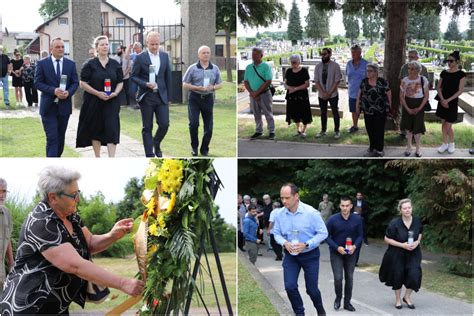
x=307, y=245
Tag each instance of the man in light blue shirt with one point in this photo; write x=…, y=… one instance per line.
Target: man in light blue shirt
x=356, y=72
x=300, y=229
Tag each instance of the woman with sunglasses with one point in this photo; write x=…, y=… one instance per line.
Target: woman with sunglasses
x=298, y=108
x=374, y=99
x=52, y=267
x=450, y=87
x=414, y=93
x=17, y=80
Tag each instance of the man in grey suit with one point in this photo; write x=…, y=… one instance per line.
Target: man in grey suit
x=154, y=91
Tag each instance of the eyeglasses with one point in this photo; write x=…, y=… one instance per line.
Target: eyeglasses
x=74, y=196
x=370, y=70
x=451, y=60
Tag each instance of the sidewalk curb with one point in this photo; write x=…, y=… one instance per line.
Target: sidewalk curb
x=274, y=298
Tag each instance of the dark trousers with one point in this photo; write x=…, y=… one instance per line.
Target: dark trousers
x=150, y=106
x=277, y=248
x=292, y=266
x=323, y=105
x=203, y=105
x=31, y=93
x=375, y=126
x=252, y=250
x=55, y=126
x=241, y=240
x=343, y=266
x=126, y=91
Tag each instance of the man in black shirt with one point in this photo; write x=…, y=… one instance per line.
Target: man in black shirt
x=6, y=64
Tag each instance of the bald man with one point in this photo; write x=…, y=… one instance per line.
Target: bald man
x=201, y=80
x=154, y=91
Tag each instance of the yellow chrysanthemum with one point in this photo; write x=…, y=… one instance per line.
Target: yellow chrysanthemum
x=152, y=250
x=151, y=206
x=171, y=203
x=153, y=230
x=161, y=222
x=171, y=175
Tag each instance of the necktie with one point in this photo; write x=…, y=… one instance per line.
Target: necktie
x=58, y=70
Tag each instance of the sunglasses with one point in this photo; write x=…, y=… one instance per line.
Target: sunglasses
x=74, y=196
x=450, y=60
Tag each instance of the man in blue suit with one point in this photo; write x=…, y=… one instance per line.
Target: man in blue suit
x=55, y=103
x=153, y=97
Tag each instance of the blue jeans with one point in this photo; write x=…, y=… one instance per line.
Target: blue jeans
x=200, y=105
x=343, y=266
x=292, y=265
x=4, y=81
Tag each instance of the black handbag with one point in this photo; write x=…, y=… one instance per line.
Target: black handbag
x=271, y=87
x=427, y=106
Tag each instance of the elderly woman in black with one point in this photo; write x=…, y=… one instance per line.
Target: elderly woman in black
x=401, y=264
x=374, y=99
x=52, y=266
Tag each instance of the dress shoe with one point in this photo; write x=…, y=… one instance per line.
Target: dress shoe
x=194, y=152
x=337, y=304
x=398, y=306
x=410, y=306
x=278, y=259
x=204, y=153
x=159, y=154
x=349, y=307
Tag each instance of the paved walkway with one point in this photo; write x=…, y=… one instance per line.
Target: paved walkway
x=370, y=296
x=283, y=149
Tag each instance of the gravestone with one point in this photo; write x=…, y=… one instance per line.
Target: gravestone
x=199, y=19
x=85, y=26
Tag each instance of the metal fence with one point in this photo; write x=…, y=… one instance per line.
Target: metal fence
x=170, y=42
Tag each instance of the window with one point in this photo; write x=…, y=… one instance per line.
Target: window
x=63, y=21
x=113, y=45
x=67, y=48
x=219, y=50
x=120, y=21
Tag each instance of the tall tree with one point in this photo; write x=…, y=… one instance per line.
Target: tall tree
x=317, y=23
x=371, y=25
x=260, y=13
x=295, y=31
x=226, y=20
x=423, y=26
x=50, y=8
x=351, y=24
x=130, y=205
x=452, y=32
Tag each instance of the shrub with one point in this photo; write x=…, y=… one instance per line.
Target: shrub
x=462, y=267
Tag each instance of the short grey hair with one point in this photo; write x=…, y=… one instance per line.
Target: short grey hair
x=258, y=50
x=27, y=57
x=137, y=44
x=55, y=179
x=265, y=196
x=3, y=183
x=246, y=197
x=401, y=202
x=44, y=53
x=55, y=39
x=374, y=66
x=413, y=51
x=203, y=47
x=416, y=65
x=276, y=204
x=295, y=57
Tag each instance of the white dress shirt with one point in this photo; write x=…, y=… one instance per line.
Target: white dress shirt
x=155, y=61
x=55, y=64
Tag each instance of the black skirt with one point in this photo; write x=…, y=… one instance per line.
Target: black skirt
x=401, y=267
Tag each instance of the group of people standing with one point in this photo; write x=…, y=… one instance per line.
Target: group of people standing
x=368, y=94
x=299, y=229
x=103, y=79
x=22, y=71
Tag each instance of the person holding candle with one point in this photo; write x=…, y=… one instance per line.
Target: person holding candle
x=300, y=229
x=55, y=102
x=102, y=81
x=345, y=235
x=151, y=71
x=401, y=263
x=202, y=79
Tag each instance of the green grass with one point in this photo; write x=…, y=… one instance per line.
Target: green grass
x=24, y=137
x=251, y=297
x=432, y=137
x=447, y=284
x=11, y=97
x=128, y=268
x=177, y=141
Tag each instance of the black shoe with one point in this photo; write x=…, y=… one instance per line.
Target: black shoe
x=271, y=136
x=204, y=153
x=159, y=154
x=337, y=304
x=349, y=307
x=410, y=306
x=278, y=259
x=398, y=306
x=194, y=152
x=256, y=135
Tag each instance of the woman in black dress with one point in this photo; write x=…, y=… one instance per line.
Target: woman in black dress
x=450, y=87
x=17, y=81
x=401, y=264
x=297, y=98
x=99, y=122
x=52, y=265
